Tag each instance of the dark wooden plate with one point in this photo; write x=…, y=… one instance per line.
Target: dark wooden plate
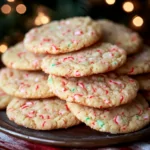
x=78, y=136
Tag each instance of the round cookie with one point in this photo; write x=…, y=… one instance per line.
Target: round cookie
x=96, y=59
x=63, y=36
x=45, y=114
x=24, y=84
x=146, y=95
x=120, y=35
x=99, y=91
x=4, y=99
x=17, y=57
x=122, y=119
x=137, y=64
x=144, y=81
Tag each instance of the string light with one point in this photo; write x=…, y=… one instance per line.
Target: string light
x=6, y=9
x=21, y=9
x=3, y=48
x=137, y=21
x=10, y=0
x=41, y=19
x=110, y=2
x=128, y=6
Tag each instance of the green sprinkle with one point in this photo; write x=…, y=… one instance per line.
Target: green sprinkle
x=87, y=119
x=53, y=65
x=50, y=80
x=72, y=90
x=69, y=44
x=100, y=79
x=114, y=63
x=137, y=117
x=100, y=123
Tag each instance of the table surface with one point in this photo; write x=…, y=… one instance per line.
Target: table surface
x=8, y=142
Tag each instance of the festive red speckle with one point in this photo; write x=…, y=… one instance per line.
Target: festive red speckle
x=139, y=109
x=91, y=96
x=54, y=47
x=77, y=95
x=20, y=54
x=77, y=74
x=81, y=85
x=131, y=71
x=115, y=120
x=41, y=116
x=67, y=108
x=46, y=40
x=43, y=124
x=68, y=58
x=37, y=87
x=121, y=99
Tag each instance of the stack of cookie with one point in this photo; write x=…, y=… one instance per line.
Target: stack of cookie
x=88, y=70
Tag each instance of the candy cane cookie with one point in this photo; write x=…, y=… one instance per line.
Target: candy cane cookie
x=45, y=114
x=63, y=36
x=24, y=84
x=122, y=119
x=17, y=57
x=99, y=91
x=137, y=64
x=120, y=35
x=96, y=59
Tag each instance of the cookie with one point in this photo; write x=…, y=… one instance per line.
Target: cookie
x=120, y=35
x=45, y=114
x=63, y=36
x=17, y=57
x=144, y=81
x=146, y=95
x=122, y=119
x=96, y=59
x=4, y=99
x=137, y=64
x=24, y=84
x=99, y=91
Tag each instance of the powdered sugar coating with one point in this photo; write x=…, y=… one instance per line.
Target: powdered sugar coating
x=120, y=35
x=137, y=64
x=122, y=119
x=4, y=99
x=24, y=84
x=17, y=57
x=100, y=91
x=45, y=114
x=96, y=59
x=63, y=36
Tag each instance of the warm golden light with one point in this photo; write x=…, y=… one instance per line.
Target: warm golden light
x=137, y=21
x=3, y=48
x=128, y=6
x=45, y=19
x=6, y=9
x=41, y=19
x=10, y=0
x=110, y=2
x=21, y=9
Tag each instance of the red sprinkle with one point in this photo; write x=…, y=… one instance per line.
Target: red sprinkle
x=68, y=58
x=81, y=85
x=20, y=54
x=43, y=124
x=115, y=119
x=121, y=99
x=37, y=87
x=140, y=111
x=67, y=108
x=131, y=71
x=41, y=116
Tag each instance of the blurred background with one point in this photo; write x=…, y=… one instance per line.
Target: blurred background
x=18, y=16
